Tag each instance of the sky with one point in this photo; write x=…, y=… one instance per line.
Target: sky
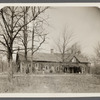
x=84, y=22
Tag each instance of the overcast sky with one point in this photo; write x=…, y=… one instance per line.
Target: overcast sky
x=83, y=21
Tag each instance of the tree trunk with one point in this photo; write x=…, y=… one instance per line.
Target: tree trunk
x=10, y=67
x=2, y=66
x=25, y=53
x=31, y=63
x=25, y=32
x=10, y=70
x=32, y=49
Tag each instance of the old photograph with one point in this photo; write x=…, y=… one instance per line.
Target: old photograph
x=49, y=49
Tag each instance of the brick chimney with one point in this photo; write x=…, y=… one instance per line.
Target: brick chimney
x=52, y=51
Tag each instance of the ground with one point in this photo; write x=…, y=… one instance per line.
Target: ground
x=64, y=83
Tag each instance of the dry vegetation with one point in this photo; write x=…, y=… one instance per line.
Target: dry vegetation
x=51, y=84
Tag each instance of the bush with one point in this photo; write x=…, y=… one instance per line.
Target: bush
x=96, y=70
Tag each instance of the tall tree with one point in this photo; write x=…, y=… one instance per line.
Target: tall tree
x=25, y=32
x=11, y=25
x=10, y=17
x=26, y=37
x=38, y=35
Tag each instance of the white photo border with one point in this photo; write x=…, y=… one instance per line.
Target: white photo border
x=56, y=95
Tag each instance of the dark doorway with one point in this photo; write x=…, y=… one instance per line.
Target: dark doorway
x=73, y=69
x=77, y=69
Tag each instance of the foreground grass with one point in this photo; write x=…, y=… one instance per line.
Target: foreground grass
x=67, y=83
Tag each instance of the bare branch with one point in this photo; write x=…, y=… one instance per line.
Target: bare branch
x=38, y=13
x=39, y=45
x=64, y=40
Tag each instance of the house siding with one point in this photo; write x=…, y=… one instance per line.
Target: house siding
x=40, y=67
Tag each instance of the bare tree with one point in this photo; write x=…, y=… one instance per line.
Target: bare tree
x=74, y=49
x=38, y=35
x=63, y=42
x=97, y=51
x=25, y=38
x=25, y=32
x=11, y=25
x=95, y=60
x=35, y=34
x=10, y=17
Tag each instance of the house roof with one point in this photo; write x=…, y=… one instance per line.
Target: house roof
x=41, y=57
x=79, y=57
x=55, y=57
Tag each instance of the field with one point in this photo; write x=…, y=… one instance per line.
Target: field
x=65, y=83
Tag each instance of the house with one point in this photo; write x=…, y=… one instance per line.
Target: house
x=51, y=63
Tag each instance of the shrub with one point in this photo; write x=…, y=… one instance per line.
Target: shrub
x=96, y=70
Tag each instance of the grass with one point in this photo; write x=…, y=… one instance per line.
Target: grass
x=64, y=83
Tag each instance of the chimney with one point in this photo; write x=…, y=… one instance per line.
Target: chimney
x=52, y=51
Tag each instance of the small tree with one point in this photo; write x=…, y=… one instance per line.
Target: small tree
x=97, y=50
x=96, y=60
